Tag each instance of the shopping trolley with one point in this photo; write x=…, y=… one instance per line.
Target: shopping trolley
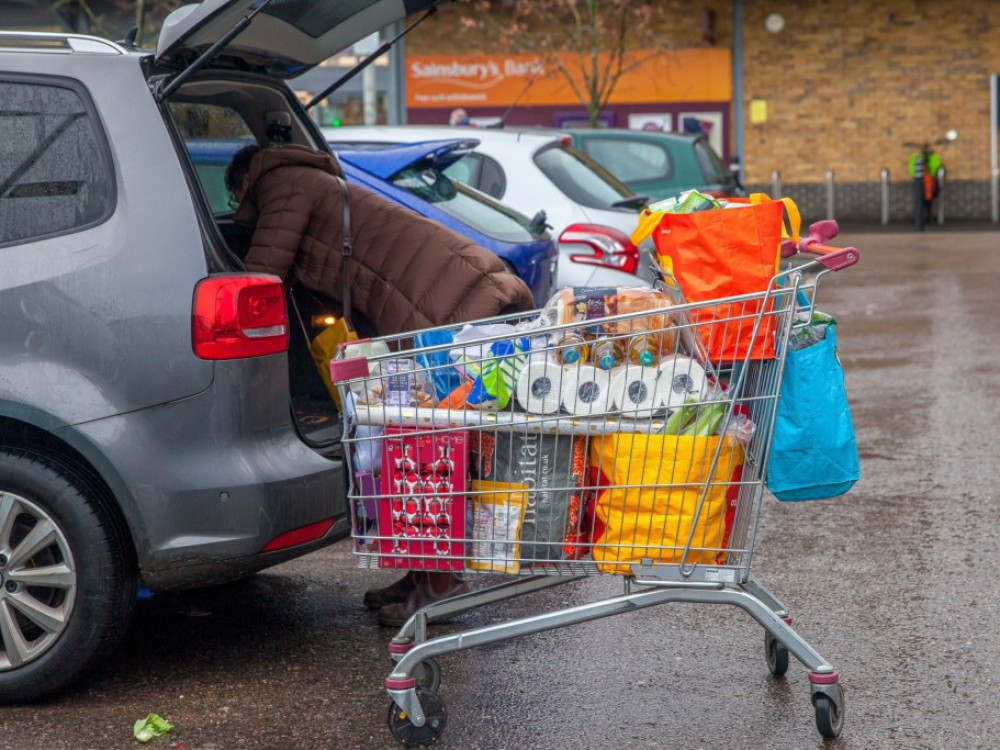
x=615, y=432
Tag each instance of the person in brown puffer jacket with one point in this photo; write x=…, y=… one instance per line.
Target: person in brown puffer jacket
x=407, y=272
x=399, y=261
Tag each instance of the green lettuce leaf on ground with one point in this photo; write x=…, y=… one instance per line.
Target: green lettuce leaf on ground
x=150, y=728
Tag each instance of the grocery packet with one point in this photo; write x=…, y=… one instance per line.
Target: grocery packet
x=544, y=465
x=497, y=514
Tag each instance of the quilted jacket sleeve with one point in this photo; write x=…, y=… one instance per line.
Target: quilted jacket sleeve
x=281, y=224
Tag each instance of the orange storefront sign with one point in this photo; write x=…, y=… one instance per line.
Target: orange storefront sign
x=686, y=75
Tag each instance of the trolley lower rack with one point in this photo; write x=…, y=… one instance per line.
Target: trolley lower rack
x=418, y=716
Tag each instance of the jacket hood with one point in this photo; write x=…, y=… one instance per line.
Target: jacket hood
x=277, y=157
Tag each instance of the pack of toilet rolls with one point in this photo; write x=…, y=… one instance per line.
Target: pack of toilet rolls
x=590, y=351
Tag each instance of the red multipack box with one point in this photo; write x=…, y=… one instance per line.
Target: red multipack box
x=422, y=508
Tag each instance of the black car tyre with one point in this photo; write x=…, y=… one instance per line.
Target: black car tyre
x=68, y=582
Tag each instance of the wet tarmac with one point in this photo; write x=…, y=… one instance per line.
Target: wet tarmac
x=894, y=584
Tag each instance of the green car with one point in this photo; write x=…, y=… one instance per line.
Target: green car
x=660, y=165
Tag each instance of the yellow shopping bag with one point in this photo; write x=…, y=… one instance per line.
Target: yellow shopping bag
x=649, y=504
x=324, y=347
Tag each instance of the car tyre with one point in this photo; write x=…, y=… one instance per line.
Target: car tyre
x=69, y=580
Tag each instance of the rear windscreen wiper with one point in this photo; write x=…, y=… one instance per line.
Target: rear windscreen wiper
x=28, y=162
x=539, y=223
x=386, y=46
x=634, y=201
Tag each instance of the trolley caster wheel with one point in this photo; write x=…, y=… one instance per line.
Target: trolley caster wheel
x=430, y=732
x=829, y=715
x=428, y=674
x=776, y=654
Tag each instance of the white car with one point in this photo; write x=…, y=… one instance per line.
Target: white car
x=590, y=212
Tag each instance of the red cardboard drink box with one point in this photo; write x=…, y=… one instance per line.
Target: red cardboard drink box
x=422, y=510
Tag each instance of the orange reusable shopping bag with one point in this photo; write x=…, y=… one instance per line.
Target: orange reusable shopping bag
x=722, y=253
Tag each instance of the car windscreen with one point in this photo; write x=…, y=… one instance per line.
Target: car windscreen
x=711, y=165
x=465, y=204
x=580, y=178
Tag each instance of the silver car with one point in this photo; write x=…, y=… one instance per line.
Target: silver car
x=146, y=433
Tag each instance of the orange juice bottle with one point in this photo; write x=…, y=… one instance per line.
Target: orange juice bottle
x=570, y=348
x=607, y=353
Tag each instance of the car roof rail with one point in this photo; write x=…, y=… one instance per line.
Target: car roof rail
x=46, y=42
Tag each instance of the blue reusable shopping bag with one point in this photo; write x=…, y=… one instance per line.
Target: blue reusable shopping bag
x=814, y=454
x=443, y=374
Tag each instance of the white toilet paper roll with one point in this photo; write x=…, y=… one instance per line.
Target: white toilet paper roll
x=633, y=389
x=586, y=391
x=539, y=387
x=680, y=378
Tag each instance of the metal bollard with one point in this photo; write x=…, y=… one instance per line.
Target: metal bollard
x=829, y=195
x=775, y=184
x=940, y=199
x=885, y=195
x=995, y=196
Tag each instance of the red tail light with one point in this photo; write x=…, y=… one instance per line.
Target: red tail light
x=239, y=316
x=612, y=248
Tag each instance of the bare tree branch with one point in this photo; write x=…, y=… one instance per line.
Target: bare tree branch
x=598, y=33
x=109, y=18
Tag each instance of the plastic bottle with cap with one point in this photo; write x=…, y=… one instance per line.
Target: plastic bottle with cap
x=607, y=353
x=643, y=350
x=570, y=348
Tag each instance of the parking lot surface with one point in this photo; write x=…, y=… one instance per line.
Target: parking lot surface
x=892, y=583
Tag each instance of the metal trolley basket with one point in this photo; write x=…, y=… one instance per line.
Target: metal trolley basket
x=539, y=465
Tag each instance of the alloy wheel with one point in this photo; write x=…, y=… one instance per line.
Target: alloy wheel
x=38, y=581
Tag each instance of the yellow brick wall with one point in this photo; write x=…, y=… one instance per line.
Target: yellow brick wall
x=846, y=82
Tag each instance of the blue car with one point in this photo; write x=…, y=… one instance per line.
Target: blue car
x=412, y=176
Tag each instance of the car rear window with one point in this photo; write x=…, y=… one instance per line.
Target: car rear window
x=580, y=178
x=481, y=172
x=312, y=18
x=468, y=206
x=630, y=160
x=55, y=169
x=212, y=134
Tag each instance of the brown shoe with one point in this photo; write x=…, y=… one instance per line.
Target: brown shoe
x=396, y=615
x=394, y=593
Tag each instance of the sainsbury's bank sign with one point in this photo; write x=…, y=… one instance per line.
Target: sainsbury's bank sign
x=500, y=80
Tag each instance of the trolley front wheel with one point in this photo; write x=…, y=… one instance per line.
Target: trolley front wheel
x=776, y=654
x=412, y=736
x=829, y=716
x=428, y=674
